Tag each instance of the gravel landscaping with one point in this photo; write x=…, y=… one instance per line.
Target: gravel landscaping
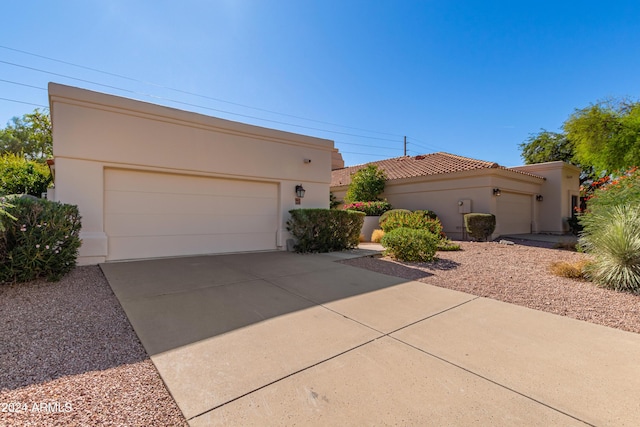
x=70, y=357
x=518, y=274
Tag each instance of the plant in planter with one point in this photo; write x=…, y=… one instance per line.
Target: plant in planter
x=372, y=210
x=369, y=208
x=363, y=195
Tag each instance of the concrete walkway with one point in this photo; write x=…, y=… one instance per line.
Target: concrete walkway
x=277, y=338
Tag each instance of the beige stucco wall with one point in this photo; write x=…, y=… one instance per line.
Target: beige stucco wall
x=441, y=194
x=93, y=131
x=562, y=182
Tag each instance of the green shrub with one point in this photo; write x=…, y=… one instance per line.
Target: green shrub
x=480, y=226
x=574, y=224
x=412, y=245
x=366, y=185
x=325, y=230
x=384, y=216
x=426, y=213
x=416, y=220
x=333, y=201
x=21, y=176
x=446, y=245
x=369, y=208
x=613, y=238
x=42, y=242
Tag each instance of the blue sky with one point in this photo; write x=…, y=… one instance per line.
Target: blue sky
x=473, y=78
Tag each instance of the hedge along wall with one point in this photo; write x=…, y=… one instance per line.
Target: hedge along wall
x=325, y=230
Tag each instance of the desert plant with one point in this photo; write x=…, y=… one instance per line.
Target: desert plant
x=612, y=236
x=324, y=230
x=21, y=176
x=480, y=226
x=42, y=242
x=571, y=270
x=369, y=208
x=412, y=245
x=376, y=236
x=366, y=185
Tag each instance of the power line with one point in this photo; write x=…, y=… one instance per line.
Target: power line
x=362, y=154
x=22, y=84
x=365, y=145
x=23, y=102
x=432, y=147
x=336, y=142
x=192, y=93
x=194, y=105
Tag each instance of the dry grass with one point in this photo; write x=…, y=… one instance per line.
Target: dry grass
x=571, y=270
x=376, y=236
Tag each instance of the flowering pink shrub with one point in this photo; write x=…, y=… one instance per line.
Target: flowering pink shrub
x=369, y=208
x=41, y=240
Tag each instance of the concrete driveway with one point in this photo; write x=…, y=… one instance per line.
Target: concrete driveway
x=277, y=338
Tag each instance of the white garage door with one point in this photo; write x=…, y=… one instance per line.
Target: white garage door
x=150, y=214
x=514, y=213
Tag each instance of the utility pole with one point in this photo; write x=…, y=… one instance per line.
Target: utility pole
x=405, y=146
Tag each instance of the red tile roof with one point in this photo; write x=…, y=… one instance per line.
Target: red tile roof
x=423, y=165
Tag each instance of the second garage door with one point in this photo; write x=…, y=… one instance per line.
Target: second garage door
x=150, y=214
x=514, y=213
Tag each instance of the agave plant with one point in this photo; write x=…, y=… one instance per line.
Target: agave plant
x=612, y=236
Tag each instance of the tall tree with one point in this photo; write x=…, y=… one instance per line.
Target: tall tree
x=606, y=135
x=547, y=146
x=28, y=136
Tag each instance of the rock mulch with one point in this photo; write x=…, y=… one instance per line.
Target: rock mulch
x=518, y=274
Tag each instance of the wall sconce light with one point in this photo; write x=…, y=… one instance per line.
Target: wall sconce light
x=300, y=191
x=496, y=192
x=539, y=197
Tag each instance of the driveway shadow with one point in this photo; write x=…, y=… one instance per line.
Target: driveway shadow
x=405, y=270
x=176, y=302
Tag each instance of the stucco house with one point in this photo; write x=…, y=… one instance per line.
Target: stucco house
x=525, y=199
x=152, y=181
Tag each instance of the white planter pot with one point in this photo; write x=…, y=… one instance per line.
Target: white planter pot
x=370, y=223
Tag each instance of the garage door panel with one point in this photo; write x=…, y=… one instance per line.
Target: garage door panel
x=150, y=182
x=147, y=225
x=166, y=246
x=150, y=214
x=118, y=202
x=514, y=213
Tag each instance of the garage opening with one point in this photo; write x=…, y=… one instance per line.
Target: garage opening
x=152, y=214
